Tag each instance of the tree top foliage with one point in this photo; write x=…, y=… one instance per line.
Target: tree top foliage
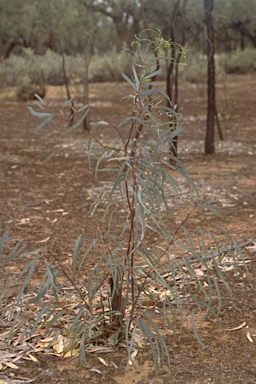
x=99, y=25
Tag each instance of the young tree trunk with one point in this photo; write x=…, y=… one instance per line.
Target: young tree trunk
x=172, y=72
x=174, y=96
x=170, y=76
x=211, y=107
x=71, y=121
x=172, y=79
x=86, y=122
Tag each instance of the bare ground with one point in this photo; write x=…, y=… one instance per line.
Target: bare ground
x=46, y=192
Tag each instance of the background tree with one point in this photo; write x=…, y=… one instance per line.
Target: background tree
x=32, y=23
x=235, y=24
x=16, y=27
x=125, y=15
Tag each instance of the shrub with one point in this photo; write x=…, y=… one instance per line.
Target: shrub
x=196, y=69
x=239, y=61
x=102, y=68
x=28, y=86
x=109, y=67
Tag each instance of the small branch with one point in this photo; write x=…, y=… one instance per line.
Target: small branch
x=74, y=284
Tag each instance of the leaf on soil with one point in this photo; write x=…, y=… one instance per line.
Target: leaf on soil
x=225, y=268
x=10, y=365
x=248, y=335
x=239, y=327
x=2, y=381
x=52, y=221
x=71, y=353
x=21, y=380
x=23, y=221
x=39, y=348
x=60, y=344
x=103, y=361
x=94, y=349
x=114, y=365
x=33, y=358
x=44, y=240
x=96, y=370
x=251, y=248
x=133, y=355
x=138, y=340
x=8, y=359
x=228, y=205
x=199, y=272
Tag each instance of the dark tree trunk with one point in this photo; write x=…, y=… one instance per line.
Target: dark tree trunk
x=242, y=44
x=6, y=49
x=211, y=107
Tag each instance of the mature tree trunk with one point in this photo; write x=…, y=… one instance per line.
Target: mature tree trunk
x=211, y=107
x=7, y=48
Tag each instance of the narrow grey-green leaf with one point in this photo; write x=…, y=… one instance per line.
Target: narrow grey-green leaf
x=129, y=81
x=137, y=82
x=45, y=122
x=39, y=114
x=80, y=121
x=77, y=248
x=153, y=74
x=39, y=98
x=3, y=240
x=195, y=329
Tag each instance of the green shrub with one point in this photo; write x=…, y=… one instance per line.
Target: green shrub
x=28, y=65
x=239, y=61
x=11, y=70
x=102, y=68
x=196, y=69
x=27, y=72
x=109, y=67
x=28, y=86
